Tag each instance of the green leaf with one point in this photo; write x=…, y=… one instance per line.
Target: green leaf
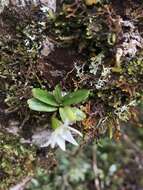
x=55, y=122
x=80, y=115
x=58, y=94
x=44, y=96
x=71, y=114
x=67, y=114
x=36, y=105
x=75, y=97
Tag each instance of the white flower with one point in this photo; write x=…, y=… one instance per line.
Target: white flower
x=62, y=134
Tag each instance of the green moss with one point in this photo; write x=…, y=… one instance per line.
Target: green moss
x=17, y=160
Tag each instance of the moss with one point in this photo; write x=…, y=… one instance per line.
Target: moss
x=17, y=160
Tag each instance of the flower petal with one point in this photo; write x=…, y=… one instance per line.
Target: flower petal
x=68, y=137
x=51, y=141
x=46, y=144
x=61, y=142
x=75, y=131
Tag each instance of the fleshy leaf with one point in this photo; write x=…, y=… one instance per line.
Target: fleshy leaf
x=44, y=96
x=55, y=122
x=80, y=115
x=75, y=97
x=36, y=105
x=58, y=93
x=67, y=114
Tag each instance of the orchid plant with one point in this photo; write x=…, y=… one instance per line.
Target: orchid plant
x=57, y=101
x=62, y=133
